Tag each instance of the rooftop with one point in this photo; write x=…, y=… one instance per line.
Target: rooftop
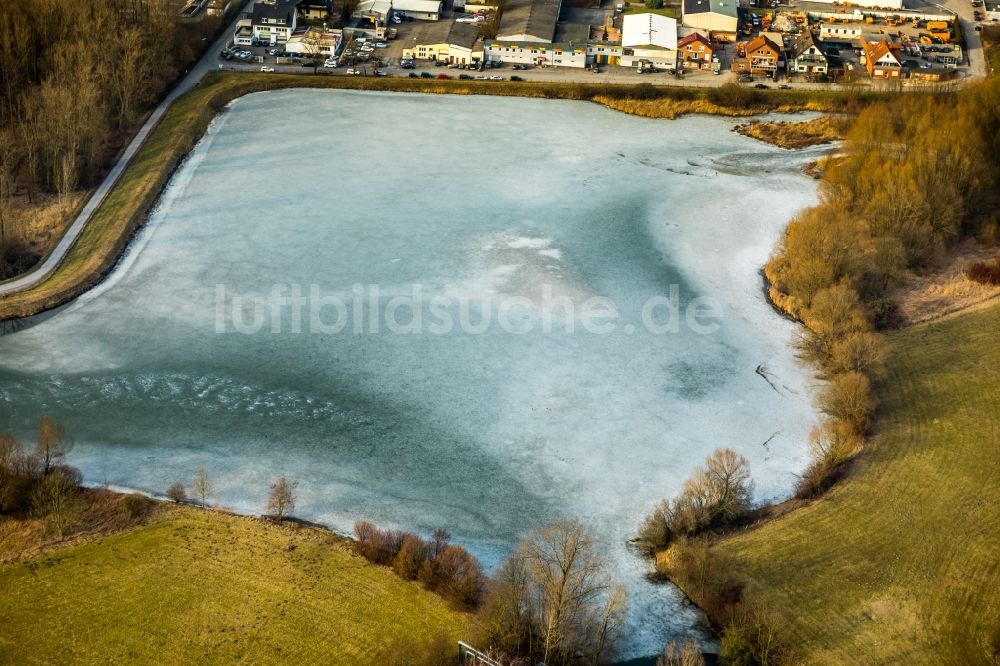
x=649, y=30
x=282, y=11
x=572, y=34
x=443, y=32
x=532, y=18
x=725, y=7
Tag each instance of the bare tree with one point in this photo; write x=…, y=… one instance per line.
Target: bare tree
x=202, y=487
x=687, y=655
x=730, y=486
x=567, y=579
x=312, y=45
x=281, y=501
x=176, y=492
x=608, y=624
x=50, y=447
x=66, y=181
x=129, y=76
x=56, y=499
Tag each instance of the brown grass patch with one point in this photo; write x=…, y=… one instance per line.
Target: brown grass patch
x=668, y=107
x=104, y=513
x=947, y=290
x=824, y=129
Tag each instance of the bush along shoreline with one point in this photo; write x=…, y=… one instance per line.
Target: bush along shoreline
x=915, y=177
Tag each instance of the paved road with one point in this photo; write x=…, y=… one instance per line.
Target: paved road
x=207, y=63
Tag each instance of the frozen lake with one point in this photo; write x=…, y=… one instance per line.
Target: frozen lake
x=536, y=214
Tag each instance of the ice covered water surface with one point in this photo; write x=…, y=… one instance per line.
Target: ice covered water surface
x=488, y=201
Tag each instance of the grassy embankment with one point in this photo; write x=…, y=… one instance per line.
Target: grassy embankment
x=197, y=586
x=124, y=210
x=898, y=563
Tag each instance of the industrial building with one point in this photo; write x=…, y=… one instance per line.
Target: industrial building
x=711, y=15
x=445, y=41
x=649, y=40
x=379, y=10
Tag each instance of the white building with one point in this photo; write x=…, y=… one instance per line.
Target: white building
x=422, y=10
x=835, y=32
x=649, y=39
x=273, y=23
x=870, y=4
x=314, y=42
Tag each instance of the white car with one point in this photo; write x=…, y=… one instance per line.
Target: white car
x=329, y=65
x=267, y=69
x=495, y=77
x=465, y=19
x=396, y=19
x=380, y=45
x=481, y=77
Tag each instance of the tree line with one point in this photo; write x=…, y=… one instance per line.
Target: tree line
x=75, y=77
x=916, y=174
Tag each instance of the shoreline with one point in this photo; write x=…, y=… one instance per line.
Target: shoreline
x=182, y=127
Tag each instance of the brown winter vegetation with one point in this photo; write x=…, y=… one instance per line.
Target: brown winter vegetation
x=716, y=495
x=552, y=601
x=41, y=501
x=447, y=569
x=69, y=103
x=916, y=177
x=897, y=563
x=785, y=134
x=947, y=289
x=904, y=191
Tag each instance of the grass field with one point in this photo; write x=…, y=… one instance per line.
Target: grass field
x=900, y=563
x=195, y=586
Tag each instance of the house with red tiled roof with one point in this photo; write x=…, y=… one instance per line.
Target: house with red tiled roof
x=695, y=52
x=881, y=61
x=757, y=56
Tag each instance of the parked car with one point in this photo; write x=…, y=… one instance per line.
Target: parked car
x=444, y=76
x=351, y=71
x=465, y=77
x=440, y=63
x=381, y=72
x=784, y=86
x=426, y=75
x=516, y=78
x=329, y=65
x=267, y=69
x=481, y=77
x=381, y=45
x=414, y=75
x=762, y=86
x=496, y=77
